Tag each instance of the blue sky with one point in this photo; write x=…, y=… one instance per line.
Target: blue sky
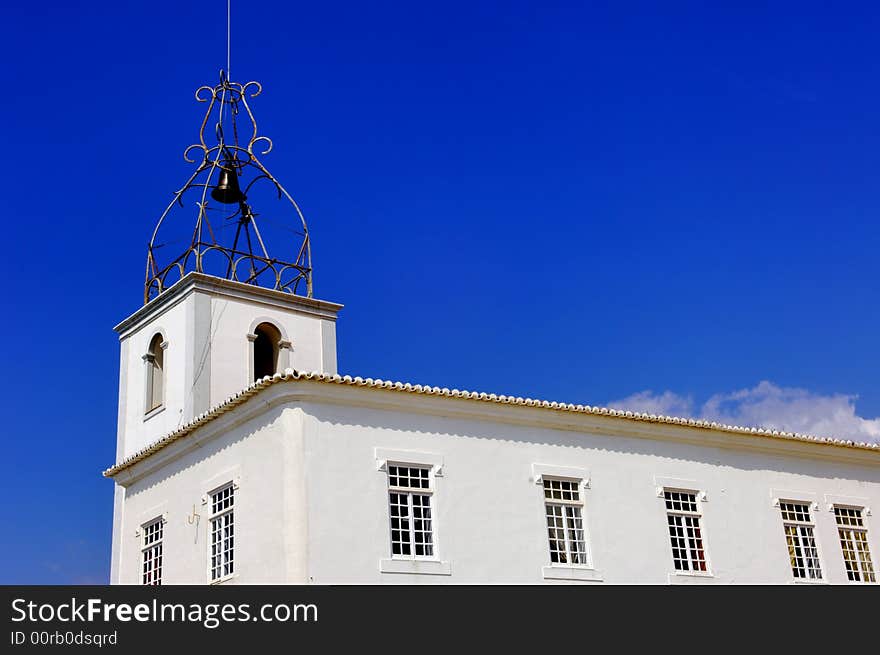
x=670, y=208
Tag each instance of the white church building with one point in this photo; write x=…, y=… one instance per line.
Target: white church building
x=244, y=457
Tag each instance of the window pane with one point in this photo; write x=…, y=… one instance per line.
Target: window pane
x=564, y=518
x=685, y=531
x=222, y=533
x=410, y=515
x=854, y=544
x=800, y=540
x=151, y=556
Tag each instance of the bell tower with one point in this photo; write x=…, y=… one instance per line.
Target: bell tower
x=228, y=294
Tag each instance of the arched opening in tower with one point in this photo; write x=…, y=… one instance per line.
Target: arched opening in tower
x=266, y=350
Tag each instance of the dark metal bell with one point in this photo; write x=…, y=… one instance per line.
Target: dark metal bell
x=227, y=190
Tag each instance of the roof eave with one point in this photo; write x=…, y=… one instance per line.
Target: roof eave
x=378, y=384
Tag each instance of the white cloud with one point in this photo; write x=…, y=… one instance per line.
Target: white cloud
x=667, y=403
x=766, y=405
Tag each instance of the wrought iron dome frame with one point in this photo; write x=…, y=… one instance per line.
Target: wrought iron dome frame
x=242, y=263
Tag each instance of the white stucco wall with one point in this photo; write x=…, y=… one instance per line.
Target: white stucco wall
x=205, y=322
x=490, y=514
x=312, y=504
x=137, y=429
x=261, y=457
x=232, y=319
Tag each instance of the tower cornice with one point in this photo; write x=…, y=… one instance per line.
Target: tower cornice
x=194, y=281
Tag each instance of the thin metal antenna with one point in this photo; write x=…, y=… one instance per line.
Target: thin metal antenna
x=228, y=38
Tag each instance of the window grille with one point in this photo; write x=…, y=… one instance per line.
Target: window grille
x=565, y=524
x=854, y=544
x=685, y=532
x=151, y=553
x=801, y=541
x=412, y=521
x=222, y=533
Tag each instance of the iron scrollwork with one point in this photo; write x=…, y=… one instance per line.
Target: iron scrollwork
x=229, y=156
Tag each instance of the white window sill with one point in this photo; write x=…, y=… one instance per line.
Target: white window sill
x=571, y=573
x=153, y=412
x=224, y=579
x=691, y=577
x=416, y=566
x=809, y=582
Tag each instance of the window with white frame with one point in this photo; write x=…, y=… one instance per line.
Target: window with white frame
x=563, y=509
x=409, y=504
x=151, y=552
x=854, y=543
x=801, y=540
x=222, y=532
x=685, y=531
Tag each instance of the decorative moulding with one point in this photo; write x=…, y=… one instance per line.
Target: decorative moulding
x=385, y=455
x=779, y=495
x=663, y=484
x=539, y=471
x=849, y=501
x=274, y=322
x=194, y=281
x=155, y=512
x=214, y=483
